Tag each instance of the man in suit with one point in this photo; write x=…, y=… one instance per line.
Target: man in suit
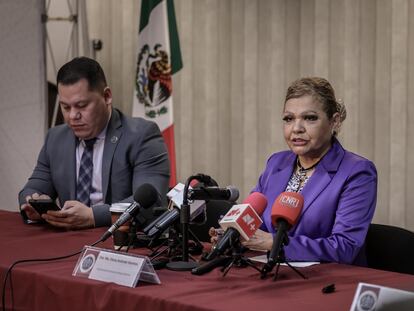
x=97, y=158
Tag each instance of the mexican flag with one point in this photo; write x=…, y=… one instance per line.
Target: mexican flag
x=159, y=57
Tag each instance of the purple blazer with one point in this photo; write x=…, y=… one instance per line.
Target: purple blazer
x=339, y=203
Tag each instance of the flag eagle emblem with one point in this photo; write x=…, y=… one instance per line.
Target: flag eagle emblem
x=153, y=80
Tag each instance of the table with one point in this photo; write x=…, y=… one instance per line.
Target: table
x=51, y=286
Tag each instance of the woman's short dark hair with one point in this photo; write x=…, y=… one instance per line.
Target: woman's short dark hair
x=321, y=90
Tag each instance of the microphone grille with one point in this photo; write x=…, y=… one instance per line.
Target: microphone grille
x=257, y=201
x=288, y=205
x=146, y=195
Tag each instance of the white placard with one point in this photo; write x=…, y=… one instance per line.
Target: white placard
x=370, y=297
x=296, y=264
x=111, y=266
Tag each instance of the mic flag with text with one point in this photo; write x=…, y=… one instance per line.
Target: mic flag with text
x=170, y=217
x=242, y=220
x=159, y=57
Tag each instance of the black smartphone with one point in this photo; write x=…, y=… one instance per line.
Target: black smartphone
x=43, y=205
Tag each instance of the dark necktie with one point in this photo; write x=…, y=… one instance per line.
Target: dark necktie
x=84, y=186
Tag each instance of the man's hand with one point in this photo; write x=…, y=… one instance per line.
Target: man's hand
x=74, y=215
x=30, y=211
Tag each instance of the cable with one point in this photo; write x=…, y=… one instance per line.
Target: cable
x=9, y=270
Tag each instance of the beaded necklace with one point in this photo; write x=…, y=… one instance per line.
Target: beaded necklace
x=299, y=178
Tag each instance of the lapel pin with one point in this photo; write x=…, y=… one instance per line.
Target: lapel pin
x=114, y=139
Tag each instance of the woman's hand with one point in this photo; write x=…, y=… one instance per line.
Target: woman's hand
x=261, y=241
x=215, y=234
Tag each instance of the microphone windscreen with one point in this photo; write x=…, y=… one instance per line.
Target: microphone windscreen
x=257, y=201
x=195, y=183
x=146, y=195
x=287, y=206
x=234, y=193
x=205, y=180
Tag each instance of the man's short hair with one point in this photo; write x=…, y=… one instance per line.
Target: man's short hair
x=82, y=68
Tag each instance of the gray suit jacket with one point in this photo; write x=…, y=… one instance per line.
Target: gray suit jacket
x=134, y=153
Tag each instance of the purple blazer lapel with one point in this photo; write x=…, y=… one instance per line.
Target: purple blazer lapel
x=316, y=184
x=279, y=180
x=323, y=175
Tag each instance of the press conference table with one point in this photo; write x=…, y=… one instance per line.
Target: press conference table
x=51, y=286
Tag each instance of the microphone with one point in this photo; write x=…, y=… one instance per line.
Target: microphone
x=155, y=229
x=210, y=265
x=168, y=218
x=229, y=193
x=204, y=179
x=285, y=213
x=242, y=220
x=144, y=197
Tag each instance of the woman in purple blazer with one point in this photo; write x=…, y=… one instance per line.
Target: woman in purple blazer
x=338, y=186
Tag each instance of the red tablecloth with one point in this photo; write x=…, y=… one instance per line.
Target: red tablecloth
x=51, y=286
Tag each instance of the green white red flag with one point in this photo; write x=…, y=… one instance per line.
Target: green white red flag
x=159, y=57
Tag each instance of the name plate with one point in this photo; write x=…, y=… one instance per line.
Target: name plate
x=370, y=297
x=111, y=266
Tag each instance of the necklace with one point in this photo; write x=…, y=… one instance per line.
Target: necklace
x=300, y=177
x=305, y=170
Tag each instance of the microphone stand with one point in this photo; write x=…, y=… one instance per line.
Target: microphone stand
x=170, y=245
x=185, y=264
x=132, y=235
x=238, y=259
x=170, y=248
x=280, y=258
x=198, y=247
